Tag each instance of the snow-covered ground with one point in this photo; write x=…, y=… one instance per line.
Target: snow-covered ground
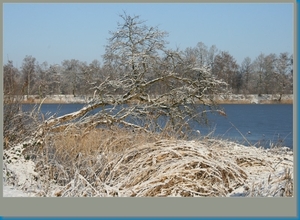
x=11, y=191
x=264, y=172
x=17, y=171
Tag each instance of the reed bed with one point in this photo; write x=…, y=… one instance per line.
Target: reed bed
x=126, y=163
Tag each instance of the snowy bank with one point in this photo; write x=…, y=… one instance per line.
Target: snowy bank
x=255, y=99
x=222, y=99
x=205, y=168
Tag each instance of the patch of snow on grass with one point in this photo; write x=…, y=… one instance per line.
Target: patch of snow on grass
x=16, y=169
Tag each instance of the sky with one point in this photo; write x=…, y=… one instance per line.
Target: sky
x=63, y=31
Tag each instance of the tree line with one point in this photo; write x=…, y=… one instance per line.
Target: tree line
x=141, y=51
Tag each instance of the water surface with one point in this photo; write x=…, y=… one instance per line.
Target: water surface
x=262, y=124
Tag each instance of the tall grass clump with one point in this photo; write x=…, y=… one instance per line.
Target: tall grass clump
x=124, y=162
x=18, y=125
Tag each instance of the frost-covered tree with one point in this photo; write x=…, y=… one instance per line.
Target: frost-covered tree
x=200, y=55
x=212, y=53
x=150, y=87
x=133, y=49
x=72, y=77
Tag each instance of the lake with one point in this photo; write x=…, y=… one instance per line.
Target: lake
x=262, y=123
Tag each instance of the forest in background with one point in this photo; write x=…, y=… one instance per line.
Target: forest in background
x=266, y=74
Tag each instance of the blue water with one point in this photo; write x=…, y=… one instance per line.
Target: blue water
x=259, y=124
x=263, y=124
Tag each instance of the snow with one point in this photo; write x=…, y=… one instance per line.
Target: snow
x=18, y=171
x=11, y=191
x=257, y=172
x=231, y=98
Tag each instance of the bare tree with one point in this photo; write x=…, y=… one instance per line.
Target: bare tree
x=91, y=75
x=268, y=73
x=226, y=68
x=43, y=80
x=258, y=66
x=134, y=47
x=139, y=62
x=11, y=101
x=283, y=72
x=212, y=53
x=97, y=75
x=10, y=79
x=72, y=77
x=202, y=54
x=28, y=70
x=190, y=55
x=246, y=70
x=17, y=125
x=55, y=76
x=273, y=70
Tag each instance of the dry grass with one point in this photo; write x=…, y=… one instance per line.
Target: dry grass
x=61, y=155
x=172, y=168
x=17, y=125
x=126, y=163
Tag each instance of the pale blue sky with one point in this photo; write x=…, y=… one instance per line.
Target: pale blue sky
x=56, y=32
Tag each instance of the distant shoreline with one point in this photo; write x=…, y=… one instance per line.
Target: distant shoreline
x=220, y=99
